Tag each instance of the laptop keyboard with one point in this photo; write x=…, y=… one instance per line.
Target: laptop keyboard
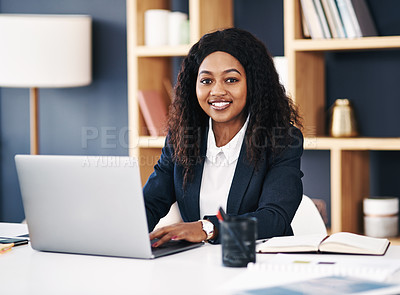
x=172, y=247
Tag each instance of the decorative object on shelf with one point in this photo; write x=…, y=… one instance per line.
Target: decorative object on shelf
x=381, y=217
x=164, y=27
x=48, y=51
x=177, y=32
x=154, y=110
x=342, y=119
x=156, y=27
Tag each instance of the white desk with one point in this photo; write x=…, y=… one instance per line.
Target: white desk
x=26, y=271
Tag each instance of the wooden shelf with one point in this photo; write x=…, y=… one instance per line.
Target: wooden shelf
x=151, y=142
x=314, y=143
x=149, y=67
x=355, y=144
x=395, y=241
x=148, y=51
x=365, y=43
x=349, y=157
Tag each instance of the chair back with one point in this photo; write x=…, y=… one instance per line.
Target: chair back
x=307, y=219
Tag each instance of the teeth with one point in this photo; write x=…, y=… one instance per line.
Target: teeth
x=220, y=103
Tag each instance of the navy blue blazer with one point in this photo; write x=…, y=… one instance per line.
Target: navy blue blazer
x=271, y=192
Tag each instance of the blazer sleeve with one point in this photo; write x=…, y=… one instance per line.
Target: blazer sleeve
x=159, y=192
x=281, y=192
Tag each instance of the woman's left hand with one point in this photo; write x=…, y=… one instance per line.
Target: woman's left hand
x=189, y=231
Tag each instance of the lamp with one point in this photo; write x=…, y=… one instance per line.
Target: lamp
x=44, y=51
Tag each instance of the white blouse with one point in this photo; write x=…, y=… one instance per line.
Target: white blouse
x=219, y=168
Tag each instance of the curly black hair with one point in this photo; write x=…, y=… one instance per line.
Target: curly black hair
x=271, y=112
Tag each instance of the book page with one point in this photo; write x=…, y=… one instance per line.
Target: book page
x=352, y=243
x=304, y=243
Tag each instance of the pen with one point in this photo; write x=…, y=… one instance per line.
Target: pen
x=5, y=248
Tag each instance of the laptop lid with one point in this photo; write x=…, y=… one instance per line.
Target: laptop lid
x=84, y=204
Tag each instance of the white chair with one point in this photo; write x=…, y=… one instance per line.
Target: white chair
x=307, y=219
x=173, y=216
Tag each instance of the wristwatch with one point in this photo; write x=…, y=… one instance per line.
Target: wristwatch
x=208, y=228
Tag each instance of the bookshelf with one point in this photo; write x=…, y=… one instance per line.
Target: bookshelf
x=349, y=157
x=148, y=67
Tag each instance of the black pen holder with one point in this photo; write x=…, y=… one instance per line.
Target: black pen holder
x=238, y=238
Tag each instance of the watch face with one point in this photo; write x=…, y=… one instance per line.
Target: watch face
x=208, y=228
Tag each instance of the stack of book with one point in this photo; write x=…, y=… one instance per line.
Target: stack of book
x=326, y=19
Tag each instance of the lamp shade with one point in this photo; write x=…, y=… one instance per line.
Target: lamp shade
x=45, y=50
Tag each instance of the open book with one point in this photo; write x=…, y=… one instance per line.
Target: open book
x=342, y=242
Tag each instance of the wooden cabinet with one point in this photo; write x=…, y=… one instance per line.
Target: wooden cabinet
x=349, y=157
x=148, y=67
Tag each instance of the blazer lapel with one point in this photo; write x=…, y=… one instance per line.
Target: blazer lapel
x=241, y=179
x=192, y=201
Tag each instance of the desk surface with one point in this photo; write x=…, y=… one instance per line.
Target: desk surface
x=26, y=271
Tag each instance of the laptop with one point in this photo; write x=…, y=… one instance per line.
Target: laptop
x=87, y=205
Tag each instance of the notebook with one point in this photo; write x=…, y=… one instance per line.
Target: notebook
x=87, y=205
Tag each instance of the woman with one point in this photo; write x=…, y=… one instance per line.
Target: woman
x=231, y=143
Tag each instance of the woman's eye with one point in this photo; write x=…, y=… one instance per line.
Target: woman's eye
x=231, y=80
x=205, y=81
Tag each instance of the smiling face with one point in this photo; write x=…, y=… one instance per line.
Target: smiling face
x=221, y=90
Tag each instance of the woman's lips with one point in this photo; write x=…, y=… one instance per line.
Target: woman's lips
x=219, y=105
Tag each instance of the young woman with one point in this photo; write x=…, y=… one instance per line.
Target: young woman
x=231, y=143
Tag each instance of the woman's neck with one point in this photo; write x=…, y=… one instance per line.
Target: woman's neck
x=224, y=132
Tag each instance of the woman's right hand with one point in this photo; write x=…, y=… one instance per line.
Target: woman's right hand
x=189, y=231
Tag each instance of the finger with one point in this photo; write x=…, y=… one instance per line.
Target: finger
x=159, y=232
x=163, y=240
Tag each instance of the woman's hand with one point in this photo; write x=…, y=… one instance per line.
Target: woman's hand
x=189, y=231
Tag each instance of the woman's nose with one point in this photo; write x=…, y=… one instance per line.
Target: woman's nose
x=218, y=89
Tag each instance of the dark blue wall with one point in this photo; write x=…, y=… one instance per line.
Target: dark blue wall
x=369, y=79
x=67, y=116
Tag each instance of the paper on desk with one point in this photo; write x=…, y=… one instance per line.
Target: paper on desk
x=289, y=268
x=331, y=285
x=375, y=268
x=11, y=230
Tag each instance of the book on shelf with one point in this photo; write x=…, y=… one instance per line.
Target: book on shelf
x=353, y=18
x=344, y=13
x=329, y=18
x=364, y=18
x=306, y=32
x=342, y=242
x=322, y=19
x=332, y=21
x=338, y=23
x=312, y=19
x=325, y=19
x=154, y=110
